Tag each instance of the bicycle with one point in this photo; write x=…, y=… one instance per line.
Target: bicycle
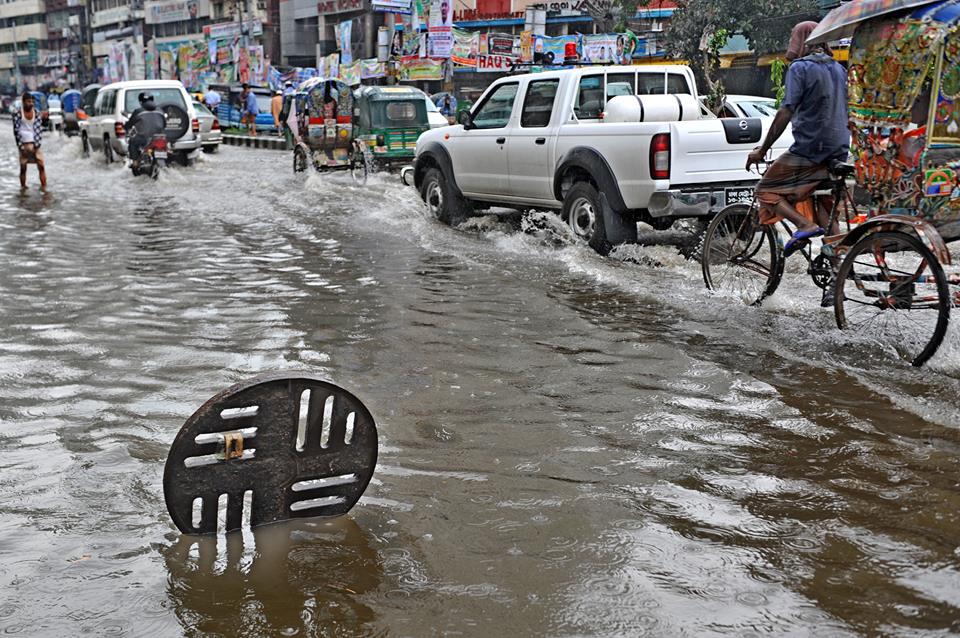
x=889, y=287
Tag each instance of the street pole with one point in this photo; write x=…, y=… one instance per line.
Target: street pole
x=16, y=57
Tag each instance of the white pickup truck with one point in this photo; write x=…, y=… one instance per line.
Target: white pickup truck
x=545, y=141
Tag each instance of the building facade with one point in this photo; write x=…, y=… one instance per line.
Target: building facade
x=24, y=43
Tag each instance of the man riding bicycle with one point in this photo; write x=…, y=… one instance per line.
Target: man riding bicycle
x=145, y=122
x=815, y=103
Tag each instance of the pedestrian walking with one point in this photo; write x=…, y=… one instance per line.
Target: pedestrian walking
x=276, y=107
x=249, y=109
x=448, y=107
x=27, y=129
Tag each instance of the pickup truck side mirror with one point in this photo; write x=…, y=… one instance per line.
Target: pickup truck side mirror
x=464, y=117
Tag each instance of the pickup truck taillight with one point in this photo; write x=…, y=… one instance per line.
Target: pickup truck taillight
x=195, y=123
x=216, y=125
x=118, y=128
x=660, y=156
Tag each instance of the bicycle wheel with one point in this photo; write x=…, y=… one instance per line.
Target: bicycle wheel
x=891, y=289
x=741, y=256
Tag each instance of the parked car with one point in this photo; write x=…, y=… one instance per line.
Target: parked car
x=434, y=116
x=55, y=112
x=748, y=106
x=103, y=130
x=229, y=110
x=569, y=141
x=740, y=106
x=210, y=135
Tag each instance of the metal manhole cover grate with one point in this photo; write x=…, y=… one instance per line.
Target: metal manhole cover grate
x=269, y=449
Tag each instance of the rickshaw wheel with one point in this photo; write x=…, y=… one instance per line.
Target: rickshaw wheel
x=741, y=256
x=358, y=163
x=299, y=160
x=892, y=290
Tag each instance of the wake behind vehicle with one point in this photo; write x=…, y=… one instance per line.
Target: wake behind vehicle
x=892, y=276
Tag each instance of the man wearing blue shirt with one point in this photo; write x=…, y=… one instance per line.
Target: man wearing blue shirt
x=249, y=109
x=815, y=104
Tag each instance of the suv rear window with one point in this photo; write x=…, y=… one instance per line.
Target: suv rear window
x=161, y=97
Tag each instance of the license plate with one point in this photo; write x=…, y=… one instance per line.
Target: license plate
x=739, y=195
x=160, y=154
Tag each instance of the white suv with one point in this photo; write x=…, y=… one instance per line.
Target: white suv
x=115, y=103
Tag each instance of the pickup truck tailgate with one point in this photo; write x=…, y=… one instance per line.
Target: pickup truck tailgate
x=705, y=152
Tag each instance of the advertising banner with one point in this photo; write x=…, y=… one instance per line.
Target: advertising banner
x=606, y=47
x=552, y=49
x=350, y=73
x=500, y=44
x=466, y=47
x=372, y=68
x=413, y=68
x=494, y=63
x=392, y=6
x=224, y=30
x=170, y=11
x=440, y=29
x=344, y=32
x=331, y=66
x=526, y=46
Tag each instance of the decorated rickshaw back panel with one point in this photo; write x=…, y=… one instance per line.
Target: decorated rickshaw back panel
x=325, y=119
x=893, y=64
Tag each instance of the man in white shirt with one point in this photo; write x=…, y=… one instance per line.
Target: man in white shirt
x=27, y=129
x=212, y=99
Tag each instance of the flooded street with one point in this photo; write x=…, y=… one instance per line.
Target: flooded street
x=569, y=445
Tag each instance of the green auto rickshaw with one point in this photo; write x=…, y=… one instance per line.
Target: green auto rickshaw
x=389, y=119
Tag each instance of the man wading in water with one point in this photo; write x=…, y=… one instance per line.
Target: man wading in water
x=815, y=103
x=26, y=131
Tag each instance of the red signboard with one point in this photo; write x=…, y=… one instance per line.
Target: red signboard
x=326, y=7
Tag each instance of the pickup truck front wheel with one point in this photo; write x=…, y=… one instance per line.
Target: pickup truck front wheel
x=443, y=202
x=583, y=211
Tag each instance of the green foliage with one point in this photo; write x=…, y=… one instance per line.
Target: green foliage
x=766, y=25
x=778, y=69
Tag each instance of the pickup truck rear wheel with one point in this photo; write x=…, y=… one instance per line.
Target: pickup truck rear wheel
x=443, y=202
x=583, y=211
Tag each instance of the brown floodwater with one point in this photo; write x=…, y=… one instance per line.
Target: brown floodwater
x=569, y=445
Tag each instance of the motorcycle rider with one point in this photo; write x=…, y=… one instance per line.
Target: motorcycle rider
x=145, y=122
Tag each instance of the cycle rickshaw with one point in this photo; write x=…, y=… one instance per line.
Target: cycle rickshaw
x=324, y=131
x=887, y=267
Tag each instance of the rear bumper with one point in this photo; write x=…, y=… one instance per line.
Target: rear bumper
x=690, y=203
x=182, y=146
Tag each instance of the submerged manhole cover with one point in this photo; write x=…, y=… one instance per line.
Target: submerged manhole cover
x=272, y=448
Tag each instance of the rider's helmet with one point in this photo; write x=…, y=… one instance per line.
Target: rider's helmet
x=145, y=97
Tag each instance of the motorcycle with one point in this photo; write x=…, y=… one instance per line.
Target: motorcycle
x=152, y=158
